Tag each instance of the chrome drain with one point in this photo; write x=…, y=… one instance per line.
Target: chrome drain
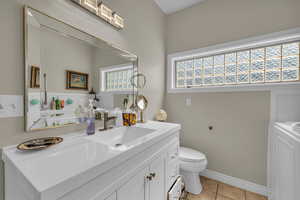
x=117, y=145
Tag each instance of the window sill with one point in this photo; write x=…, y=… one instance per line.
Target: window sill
x=237, y=88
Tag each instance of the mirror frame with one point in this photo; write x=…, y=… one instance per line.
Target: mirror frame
x=26, y=63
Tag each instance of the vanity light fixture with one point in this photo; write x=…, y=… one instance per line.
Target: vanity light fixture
x=91, y=5
x=98, y=8
x=118, y=20
x=105, y=12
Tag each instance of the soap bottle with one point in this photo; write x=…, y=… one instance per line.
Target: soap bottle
x=129, y=117
x=133, y=117
x=62, y=104
x=57, y=104
x=52, y=104
x=90, y=130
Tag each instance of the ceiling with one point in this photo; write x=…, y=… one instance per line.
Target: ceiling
x=171, y=6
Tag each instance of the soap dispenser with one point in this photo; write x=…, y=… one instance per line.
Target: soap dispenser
x=90, y=130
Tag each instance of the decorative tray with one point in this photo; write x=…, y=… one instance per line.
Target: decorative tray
x=39, y=143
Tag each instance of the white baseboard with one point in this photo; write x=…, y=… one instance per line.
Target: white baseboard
x=240, y=183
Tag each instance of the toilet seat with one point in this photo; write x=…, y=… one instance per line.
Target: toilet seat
x=190, y=155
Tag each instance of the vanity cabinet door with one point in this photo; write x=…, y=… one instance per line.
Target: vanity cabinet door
x=157, y=184
x=135, y=188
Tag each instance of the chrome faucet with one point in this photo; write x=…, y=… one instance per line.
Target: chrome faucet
x=106, y=119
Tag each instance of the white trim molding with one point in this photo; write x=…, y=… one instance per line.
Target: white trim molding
x=248, y=43
x=236, y=182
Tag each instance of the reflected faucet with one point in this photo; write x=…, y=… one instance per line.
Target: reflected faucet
x=106, y=119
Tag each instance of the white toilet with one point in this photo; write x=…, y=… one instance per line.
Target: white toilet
x=192, y=162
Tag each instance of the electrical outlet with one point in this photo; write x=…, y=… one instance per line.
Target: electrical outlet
x=11, y=106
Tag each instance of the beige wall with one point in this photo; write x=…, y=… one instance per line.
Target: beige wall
x=58, y=54
x=215, y=21
x=143, y=35
x=238, y=144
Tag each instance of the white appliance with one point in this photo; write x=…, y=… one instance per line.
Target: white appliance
x=284, y=162
x=177, y=190
x=192, y=162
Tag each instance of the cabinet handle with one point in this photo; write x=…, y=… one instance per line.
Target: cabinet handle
x=149, y=178
x=153, y=175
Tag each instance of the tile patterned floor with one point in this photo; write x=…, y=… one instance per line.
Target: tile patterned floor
x=214, y=190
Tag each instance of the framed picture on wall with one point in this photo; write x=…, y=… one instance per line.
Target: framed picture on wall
x=35, y=77
x=77, y=80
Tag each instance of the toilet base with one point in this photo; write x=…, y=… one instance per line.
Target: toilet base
x=192, y=182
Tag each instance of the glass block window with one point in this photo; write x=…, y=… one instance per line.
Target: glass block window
x=277, y=63
x=117, y=79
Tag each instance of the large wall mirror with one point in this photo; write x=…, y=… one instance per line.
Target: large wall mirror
x=64, y=67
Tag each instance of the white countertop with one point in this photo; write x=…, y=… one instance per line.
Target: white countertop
x=79, y=158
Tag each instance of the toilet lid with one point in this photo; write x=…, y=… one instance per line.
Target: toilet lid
x=187, y=154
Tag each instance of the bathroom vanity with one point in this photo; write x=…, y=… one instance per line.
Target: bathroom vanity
x=125, y=163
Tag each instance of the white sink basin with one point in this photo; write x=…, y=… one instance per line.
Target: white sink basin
x=76, y=156
x=81, y=154
x=68, y=161
x=123, y=136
